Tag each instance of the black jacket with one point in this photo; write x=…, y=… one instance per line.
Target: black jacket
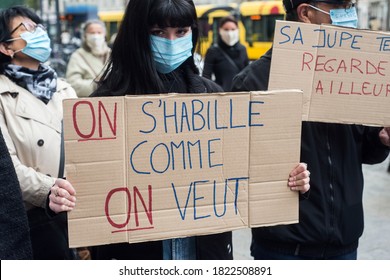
x=331, y=219
x=209, y=247
x=14, y=231
x=224, y=69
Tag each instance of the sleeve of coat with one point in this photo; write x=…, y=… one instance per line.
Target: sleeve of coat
x=35, y=186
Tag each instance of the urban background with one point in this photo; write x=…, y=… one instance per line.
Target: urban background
x=373, y=14
x=67, y=16
x=64, y=21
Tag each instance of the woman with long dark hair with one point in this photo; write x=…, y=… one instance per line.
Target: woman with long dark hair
x=153, y=53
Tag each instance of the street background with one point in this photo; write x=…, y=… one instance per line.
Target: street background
x=375, y=242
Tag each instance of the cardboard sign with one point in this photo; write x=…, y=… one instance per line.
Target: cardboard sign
x=162, y=166
x=343, y=72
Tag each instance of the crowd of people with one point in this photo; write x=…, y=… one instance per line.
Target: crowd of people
x=153, y=52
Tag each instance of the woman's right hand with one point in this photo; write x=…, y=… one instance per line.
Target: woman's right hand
x=299, y=178
x=62, y=196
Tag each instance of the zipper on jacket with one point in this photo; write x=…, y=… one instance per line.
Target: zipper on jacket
x=331, y=185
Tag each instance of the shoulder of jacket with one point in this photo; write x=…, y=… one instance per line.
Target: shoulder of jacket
x=213, y=48
x=64, y=86
x=211, y=86
x=6, y=85
x=80, y=52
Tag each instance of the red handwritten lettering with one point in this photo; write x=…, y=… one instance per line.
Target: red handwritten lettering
x=137, y=196
x=149, y=211
x=112, y=126
x=81, y=118
x=322, y=63
x=75, y=123
x=106, y=207
x=309, y=57
x=352, y=88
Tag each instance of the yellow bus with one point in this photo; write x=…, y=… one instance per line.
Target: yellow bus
x=256, y=21
x=112, y=19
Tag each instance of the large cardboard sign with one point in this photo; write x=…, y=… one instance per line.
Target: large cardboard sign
x=163, y=166
x=343, y=72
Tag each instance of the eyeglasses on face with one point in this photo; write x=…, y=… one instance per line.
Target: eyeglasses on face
x=28, y=26
x=344, y=4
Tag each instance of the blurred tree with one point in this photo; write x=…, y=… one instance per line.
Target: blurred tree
x=34, y=4
x=9, y=3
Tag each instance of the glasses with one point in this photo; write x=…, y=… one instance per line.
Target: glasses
x=28, y=26
x=346, y=5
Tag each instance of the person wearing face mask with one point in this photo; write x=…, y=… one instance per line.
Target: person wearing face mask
x=227, y=57
x=86, y=64
x=31, y=98
x=331, y=220
x=153, y=53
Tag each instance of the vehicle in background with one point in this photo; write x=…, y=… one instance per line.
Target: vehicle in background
x=112, y=19
x=256, y=21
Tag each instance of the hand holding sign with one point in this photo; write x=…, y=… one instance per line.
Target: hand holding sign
x=384, y=135
x=299, y=178
x=154, y=167
x=62, y=196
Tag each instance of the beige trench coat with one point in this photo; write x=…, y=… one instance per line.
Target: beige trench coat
x=32, y=132
x=83, y=68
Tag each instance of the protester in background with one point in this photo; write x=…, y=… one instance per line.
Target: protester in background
x=153, y=53
x=15, y=241
x=65, y=38
x=227, y=57
x=86, y=63
x=331, y=221
x=30, y=119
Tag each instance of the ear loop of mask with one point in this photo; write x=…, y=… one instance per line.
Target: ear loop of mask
x=12, y=40
x=318, y=9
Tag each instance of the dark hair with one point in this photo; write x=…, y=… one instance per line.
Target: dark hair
x=290, y=6
x=6, y=17
x=226, y=19
x=131, y=68
x=292, y=15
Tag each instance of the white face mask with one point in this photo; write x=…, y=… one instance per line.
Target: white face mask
x=96, y=42
x=229, y=37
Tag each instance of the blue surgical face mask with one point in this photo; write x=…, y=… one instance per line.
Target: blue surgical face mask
x=170, y=54
x=344, y=17
x=341, y=17
x=37, y=44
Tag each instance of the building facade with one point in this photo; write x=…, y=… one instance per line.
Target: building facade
x=373, y=14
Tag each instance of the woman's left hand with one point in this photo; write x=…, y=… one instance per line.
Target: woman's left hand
x=299, y=178
x=384, y=136
x=62, y=196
